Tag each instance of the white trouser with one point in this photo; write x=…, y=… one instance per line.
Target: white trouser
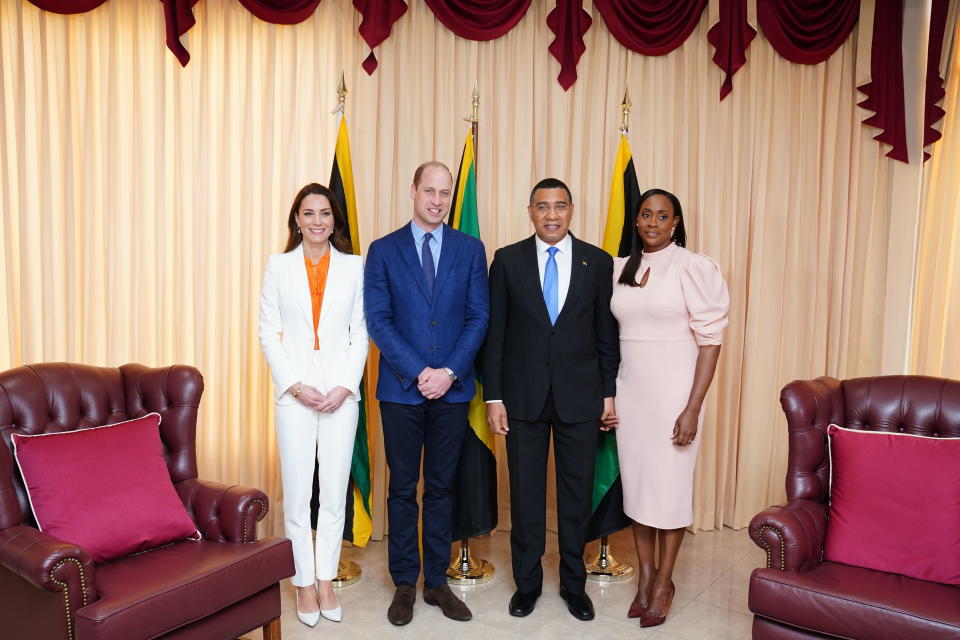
x=301, y=432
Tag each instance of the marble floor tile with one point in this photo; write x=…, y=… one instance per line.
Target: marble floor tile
x=711, y=577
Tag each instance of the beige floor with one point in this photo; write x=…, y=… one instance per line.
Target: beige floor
x=711, y=602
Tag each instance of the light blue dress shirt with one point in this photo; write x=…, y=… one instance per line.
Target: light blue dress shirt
x=435, y=245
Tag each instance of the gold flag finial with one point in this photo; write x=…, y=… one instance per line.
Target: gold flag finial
x=625, y=113
x=341, y=94
x=474, y=105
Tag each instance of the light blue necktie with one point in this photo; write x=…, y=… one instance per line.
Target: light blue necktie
x=550, y=280
x=426, y=261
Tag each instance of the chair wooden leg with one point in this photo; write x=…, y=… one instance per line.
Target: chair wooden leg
x=271, y=630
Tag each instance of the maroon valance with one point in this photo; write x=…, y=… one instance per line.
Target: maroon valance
x=378, y=19
x=730, y=38
x=568, y=22
x=479, y=19
x=807, y=31
x=651, y=27
x=885, y=90
x=802, y=31
x=68, y=6
x=281, y=11
x=933, y=112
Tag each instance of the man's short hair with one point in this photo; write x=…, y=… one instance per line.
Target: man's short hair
x=551, y=183
x=427, y=165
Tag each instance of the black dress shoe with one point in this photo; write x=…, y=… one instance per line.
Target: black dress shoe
x=578, y=604
x=522, y=604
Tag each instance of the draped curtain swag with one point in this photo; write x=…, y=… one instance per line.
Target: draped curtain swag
x=651, y=27
x=730, y=37
x=378, y=19
x=568, y=22
x=801, y=31
x=807, y=31
x=281, y=11
x=933, y=112
x=885, y=90
x=178, y=15
x=479, y=19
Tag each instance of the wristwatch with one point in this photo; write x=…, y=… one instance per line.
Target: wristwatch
x=453, y=376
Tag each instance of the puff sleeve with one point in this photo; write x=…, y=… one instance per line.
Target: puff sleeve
x=707, y=298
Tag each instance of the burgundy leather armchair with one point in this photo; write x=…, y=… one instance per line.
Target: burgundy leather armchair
x=221, y=587
x=799, y=595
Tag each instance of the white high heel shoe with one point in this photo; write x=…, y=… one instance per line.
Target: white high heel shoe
x=310, y=619
x=334, y=615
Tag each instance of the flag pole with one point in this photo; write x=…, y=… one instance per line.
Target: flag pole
x=465, y=570
x=604, y=567
x=348, y=571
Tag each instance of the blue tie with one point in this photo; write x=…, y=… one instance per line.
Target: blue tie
x=550, y=279
x=426, y=261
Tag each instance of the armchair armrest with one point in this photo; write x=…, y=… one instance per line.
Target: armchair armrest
x=792, y=535
x=225, y=513
x=48, y=563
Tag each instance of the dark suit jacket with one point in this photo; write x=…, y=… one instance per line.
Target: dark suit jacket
x=525, y=356
x=414, y=330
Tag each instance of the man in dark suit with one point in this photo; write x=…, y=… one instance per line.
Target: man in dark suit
x=550, y=364
x=425, y=297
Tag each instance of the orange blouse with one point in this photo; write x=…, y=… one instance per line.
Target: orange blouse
x=317, y=275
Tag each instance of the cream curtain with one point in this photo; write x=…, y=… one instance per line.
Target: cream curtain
x=936, y=311
x=140, y=199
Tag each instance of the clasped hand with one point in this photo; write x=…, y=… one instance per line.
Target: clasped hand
x=433, y=383
x=315, y=399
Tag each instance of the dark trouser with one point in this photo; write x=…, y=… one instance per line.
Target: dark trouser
x=436, y=428
x=574, y=450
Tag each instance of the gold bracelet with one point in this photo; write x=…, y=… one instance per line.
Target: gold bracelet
x=299, y=389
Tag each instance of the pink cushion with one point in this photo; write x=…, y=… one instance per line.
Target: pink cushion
x=105, y=489
x=895, y=503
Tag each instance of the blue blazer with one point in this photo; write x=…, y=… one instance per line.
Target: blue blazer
x=414, y=330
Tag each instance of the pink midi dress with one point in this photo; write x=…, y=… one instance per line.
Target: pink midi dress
x=683, y=305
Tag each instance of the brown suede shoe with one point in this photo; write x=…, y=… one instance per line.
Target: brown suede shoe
x=452, y=606
x=401, y=609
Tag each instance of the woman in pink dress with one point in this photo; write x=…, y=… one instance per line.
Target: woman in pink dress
x=672, y=308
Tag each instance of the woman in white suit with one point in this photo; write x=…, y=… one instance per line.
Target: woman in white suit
x=314, y=337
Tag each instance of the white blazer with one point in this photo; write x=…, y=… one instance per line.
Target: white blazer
x=286, y=324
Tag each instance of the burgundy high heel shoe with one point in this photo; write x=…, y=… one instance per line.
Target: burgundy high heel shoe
x=636, y=610
x=653, y=621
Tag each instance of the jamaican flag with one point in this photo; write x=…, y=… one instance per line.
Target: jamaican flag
x=475, y=492
x=357, y=526
x=608, y=515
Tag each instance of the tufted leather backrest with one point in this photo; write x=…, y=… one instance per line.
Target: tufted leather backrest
x=59, y=396
x=917, y=405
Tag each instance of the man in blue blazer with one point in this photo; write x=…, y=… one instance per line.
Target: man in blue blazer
x=427, y=303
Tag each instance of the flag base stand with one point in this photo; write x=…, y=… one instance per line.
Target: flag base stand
x=465, y=570
x=348, y=573
x=605, y=568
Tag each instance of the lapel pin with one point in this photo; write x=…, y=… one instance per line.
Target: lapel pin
x=583, y=262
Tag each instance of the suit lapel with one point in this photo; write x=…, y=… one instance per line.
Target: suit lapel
x=301, y=285
x=449, y=252
x=530, y=269
x=408, y=249
x=331, y=290
x=578, y=272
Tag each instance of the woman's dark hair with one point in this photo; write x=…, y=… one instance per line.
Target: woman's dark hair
x=629, y=274
x=340, y=238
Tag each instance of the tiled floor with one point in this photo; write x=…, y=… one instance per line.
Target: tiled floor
x=711, y=601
